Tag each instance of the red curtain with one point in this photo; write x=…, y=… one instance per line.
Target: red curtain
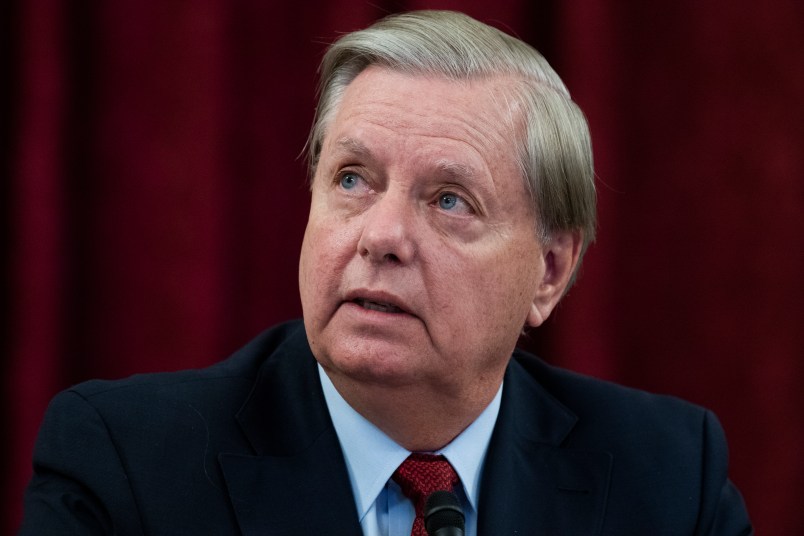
x=156, y=202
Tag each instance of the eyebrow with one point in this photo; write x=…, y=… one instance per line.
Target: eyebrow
x=458, y=172
x=353, y=146
x=447, y=167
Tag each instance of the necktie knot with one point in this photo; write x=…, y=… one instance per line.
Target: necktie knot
x=419, y=476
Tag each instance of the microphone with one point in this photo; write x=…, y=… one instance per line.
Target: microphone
x=443, y=515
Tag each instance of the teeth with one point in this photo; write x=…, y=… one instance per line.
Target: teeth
x=381, y=307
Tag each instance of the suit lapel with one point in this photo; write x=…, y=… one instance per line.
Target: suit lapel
x=297, y=495
x=532, y=484
x=295, y=482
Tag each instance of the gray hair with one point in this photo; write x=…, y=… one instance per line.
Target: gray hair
x=555, y=154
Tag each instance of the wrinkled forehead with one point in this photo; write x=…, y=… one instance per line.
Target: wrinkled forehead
x=501, y=89
x=383, y=103
x=481, y=110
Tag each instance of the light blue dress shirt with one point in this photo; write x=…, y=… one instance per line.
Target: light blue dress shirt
x=372, y=457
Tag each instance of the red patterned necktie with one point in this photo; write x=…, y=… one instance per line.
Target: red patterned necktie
x=419, y=476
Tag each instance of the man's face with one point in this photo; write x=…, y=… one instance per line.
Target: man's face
x=420, y=262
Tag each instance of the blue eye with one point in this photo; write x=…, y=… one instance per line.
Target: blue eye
x=349, y=181
x=447, y=201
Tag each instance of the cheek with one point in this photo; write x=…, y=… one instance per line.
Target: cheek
x=326, y=249
x=461, y=289
x=311, y=261
x=488, y=295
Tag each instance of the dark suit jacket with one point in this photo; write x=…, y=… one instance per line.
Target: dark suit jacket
x=247, y=446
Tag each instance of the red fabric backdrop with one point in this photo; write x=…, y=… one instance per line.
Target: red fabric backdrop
x=156, y=202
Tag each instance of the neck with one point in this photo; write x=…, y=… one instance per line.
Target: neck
x=417, y=417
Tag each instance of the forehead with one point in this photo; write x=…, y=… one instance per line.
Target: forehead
x=464, y=123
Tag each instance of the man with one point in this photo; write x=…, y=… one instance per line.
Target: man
x=452, y=200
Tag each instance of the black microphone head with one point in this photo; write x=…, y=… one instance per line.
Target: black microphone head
x=443, y=511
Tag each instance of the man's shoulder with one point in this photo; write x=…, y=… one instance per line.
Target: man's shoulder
x=662, y=450
x=604, y=408
x=137, y=446
x=241, y=366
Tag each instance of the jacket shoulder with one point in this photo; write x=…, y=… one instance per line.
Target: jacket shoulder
x=112, y=456
x=603, y=404
x=240, y=367
x=669, y=455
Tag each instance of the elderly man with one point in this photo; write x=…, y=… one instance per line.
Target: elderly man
x=452, y=200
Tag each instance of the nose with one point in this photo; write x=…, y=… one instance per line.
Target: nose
x=388, y=230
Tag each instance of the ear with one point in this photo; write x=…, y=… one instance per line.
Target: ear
x=560, y=258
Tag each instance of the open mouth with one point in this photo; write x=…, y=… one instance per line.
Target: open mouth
x=377, y=306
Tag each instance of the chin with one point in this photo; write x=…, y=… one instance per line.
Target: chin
x=373, y=364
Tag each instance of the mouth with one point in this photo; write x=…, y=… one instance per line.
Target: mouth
x=379, y=301
x=382, y=307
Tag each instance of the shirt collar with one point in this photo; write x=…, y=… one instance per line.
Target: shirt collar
x=372, y=457
x=467, y=452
